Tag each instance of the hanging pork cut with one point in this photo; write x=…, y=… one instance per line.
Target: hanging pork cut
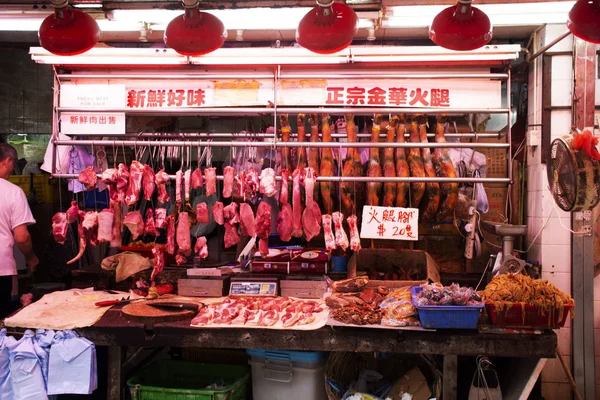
x=239, y=182
x=267, y=182
x=310, y=180
x=402, y=169
x=327, y=168
x=183, y=237
x=201, y=248
x=161, y=179
x=122, y=182
x=82, y=243
x=136, y=172
x=284, y=191
x=109, y=177
x=231, y=237
x=210, y=180
x=59, y=227
x=148, y=182
x=159, y=262
x=73, y=212
x=352, y=193
x=160, y=217
x=150, y=225
x=444, y=168
x=88, y=178
x=415, y=163
x=178, y=183
x=106, y=219
x=230, y=213
x=217, y=211
x=135, y=223
x=297, y=204
x=247, y=220
x=228, y=175
x=171, y=247
x=341, y=240
x=328, y=232
x=354, y=235
x=389, y=167
x=187, y=184
x=117, y=225
x=202, y=216
x=301, y=151
x=431, y=202
x=311, y=221
x=286, y=161
x=374, y=166
x=313, y=151
x=262, y=227
x=251, y=183
x=285, y=222
x=197, y=179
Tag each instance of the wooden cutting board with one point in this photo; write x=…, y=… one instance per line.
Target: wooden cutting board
x=141, y=311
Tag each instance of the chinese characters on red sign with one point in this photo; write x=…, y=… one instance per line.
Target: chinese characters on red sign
x=92, y=120
x=394, y=96
x=390, y=223
x=165, y=98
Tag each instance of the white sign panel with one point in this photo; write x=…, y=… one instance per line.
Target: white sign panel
x=107, y=95
x=390, y=223
x=98, y=123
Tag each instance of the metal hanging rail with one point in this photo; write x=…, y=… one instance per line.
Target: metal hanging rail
x=211, y=135
x=334, y=145
x=358, y=179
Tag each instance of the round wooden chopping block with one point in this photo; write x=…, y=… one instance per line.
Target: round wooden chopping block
x=141, y=311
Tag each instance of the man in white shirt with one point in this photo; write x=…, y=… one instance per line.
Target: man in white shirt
x=15, y=215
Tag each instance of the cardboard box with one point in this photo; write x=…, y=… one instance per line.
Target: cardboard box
x=413, y=383
x=496, y=195
x=416, y=263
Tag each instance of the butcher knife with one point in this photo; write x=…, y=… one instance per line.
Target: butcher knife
x=175, y=306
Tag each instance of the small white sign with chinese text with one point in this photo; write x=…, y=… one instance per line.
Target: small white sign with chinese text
x=390, y=223
x=84, y=123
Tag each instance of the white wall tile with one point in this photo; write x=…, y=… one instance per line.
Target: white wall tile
x=597, y=370
x=554, y=372
x=534, y=253
x=598, y=92
x=533, y=227
x=549, y=207
x=596, y=339
x=562, y=70
x=533, y=178
x=556, y=391
x=561, y=122
x=554, y=233
x=561, y=280
x=533, y=209
x=534, y=155
x=597, y=288
x=564, y=341
x=555, y=30
x=557, y=258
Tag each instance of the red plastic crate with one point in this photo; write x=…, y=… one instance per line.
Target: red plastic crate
x=532, y=319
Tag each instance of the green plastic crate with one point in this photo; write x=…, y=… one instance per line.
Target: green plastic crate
x=181, y=380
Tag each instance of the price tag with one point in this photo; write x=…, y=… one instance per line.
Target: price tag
x=390, y=223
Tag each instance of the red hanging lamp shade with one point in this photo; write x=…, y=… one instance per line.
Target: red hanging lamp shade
x=327, y=28
x=461, y=27
x=68, y=31
x=195, y=33
x=584, y=20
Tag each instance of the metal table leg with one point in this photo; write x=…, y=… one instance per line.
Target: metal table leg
x=114, y=384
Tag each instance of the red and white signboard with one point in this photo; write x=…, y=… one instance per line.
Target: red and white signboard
x=390, y=223
x=96, y=123
x=196, y=93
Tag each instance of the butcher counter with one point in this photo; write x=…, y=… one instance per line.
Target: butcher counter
x=529, y=350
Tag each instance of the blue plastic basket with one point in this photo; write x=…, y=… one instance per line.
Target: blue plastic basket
x=446, y=317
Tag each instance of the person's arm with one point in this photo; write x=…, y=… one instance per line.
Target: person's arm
x=23, y=240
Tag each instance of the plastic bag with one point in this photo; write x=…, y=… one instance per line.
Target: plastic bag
x=399, y=310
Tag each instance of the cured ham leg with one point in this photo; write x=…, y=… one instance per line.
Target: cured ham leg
x=354, y=235
x=297, y=204
x=161, y=179
x=284, y=191
x=402, y=169
x=352, y=193
x=210, y=178
x=374, y=167
x=88, y=178
x=285, y=223
x=415, y=163
x=444, y=168
x=313, y=152
x=327, y=168
x=389, y=168
x=328, y=232
x=341, y=240
x=184, y=241
x=286, y=161
x=201, y=248
x=430, y=206
x=228, y=175
x=301, y=151
x=148, y=182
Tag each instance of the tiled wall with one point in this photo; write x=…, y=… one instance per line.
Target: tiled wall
x=553, y=245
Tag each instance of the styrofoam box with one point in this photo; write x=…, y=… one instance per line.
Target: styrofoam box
x=287, y=375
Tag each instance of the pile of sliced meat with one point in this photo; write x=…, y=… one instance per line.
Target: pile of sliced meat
x=263, y=312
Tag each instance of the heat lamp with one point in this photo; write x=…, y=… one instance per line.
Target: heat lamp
x=68, y=31
x=327, y=28
x=195, y=33
x=584, y=20
x=462, y=27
